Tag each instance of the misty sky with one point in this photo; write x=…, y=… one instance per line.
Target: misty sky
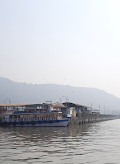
x=71, y=42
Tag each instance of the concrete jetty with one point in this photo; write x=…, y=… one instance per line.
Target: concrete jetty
x=85, y=118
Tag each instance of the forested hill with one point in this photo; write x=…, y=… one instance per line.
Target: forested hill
x=18, y=92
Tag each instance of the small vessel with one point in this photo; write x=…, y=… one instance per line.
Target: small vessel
x=31, y=115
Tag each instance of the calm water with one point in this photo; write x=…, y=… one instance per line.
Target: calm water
x=97, y=143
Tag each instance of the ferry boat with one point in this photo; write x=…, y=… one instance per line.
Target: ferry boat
x=31, y=115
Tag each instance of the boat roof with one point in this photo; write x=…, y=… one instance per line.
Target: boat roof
x=18, y=105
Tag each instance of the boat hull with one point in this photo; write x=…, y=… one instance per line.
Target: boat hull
x=51, y=123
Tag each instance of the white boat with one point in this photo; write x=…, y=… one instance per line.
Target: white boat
x=31, y=115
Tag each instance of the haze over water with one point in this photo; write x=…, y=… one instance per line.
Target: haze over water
x=97, y=143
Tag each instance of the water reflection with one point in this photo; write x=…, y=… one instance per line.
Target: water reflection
x=34, y=134
x=90, y=143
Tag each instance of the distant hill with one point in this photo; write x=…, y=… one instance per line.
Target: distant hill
x=18, y=92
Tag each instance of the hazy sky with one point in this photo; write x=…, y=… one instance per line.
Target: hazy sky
x=71, y=42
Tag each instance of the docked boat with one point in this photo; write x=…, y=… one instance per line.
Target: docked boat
x=31, y=115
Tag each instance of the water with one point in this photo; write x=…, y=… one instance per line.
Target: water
x=97, y=143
